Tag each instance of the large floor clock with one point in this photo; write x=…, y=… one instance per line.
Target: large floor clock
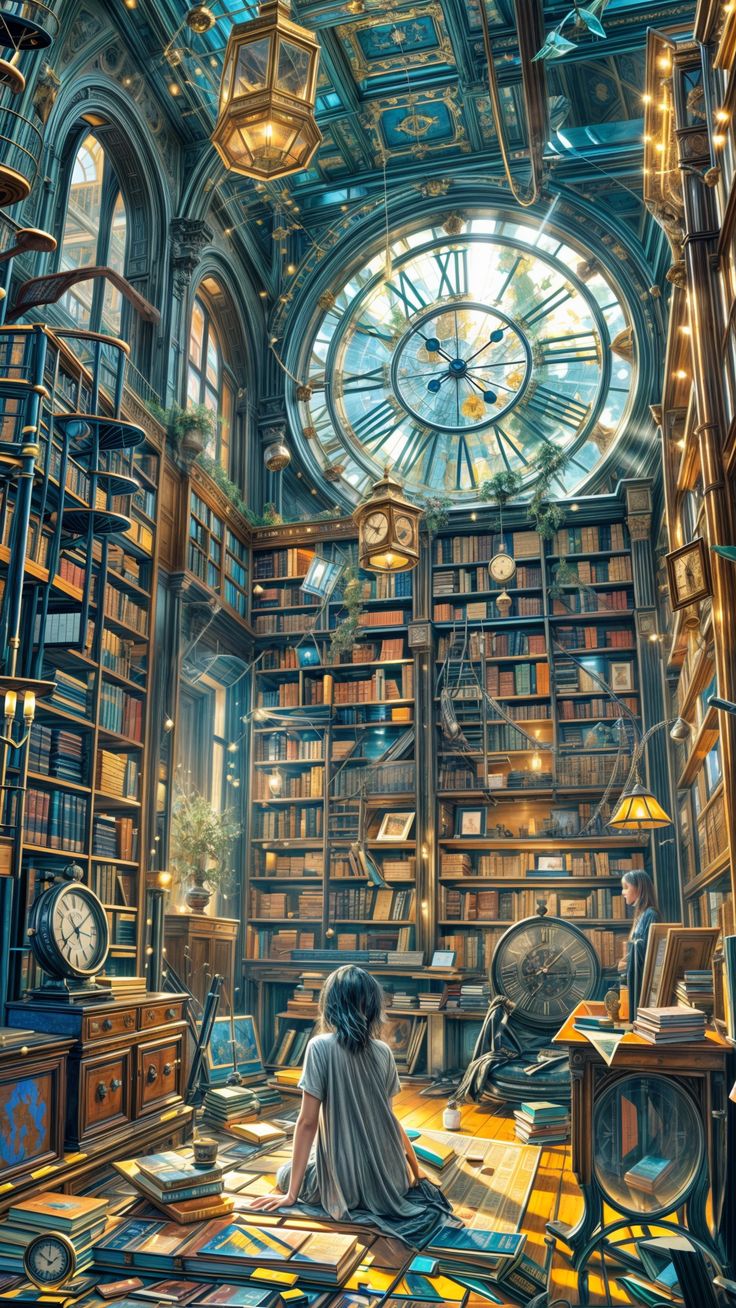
x=545, y=966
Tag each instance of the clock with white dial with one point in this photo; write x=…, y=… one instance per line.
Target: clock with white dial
x=502, y=568
x=464, y=360
x=68, y=931
x=49, y=1260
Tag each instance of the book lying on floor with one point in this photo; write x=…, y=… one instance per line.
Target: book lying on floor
x=198, y=1208
x=235, y=1248
x=174, y=1192
x=433, y=1152
x=150, y=1245
x=172, y=1170
x=258, y=1133
x=474, y=1251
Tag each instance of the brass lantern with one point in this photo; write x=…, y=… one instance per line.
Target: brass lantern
x=388, y=529
x=265, y=126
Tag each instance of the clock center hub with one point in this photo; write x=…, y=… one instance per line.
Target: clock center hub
x=479, y=348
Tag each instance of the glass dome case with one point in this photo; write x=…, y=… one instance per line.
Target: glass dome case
x=649, y=1144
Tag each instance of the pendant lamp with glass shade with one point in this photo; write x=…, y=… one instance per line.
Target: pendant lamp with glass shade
x=639, y=810
x=265, y=126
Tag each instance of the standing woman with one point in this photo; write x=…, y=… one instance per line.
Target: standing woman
x=637, y=889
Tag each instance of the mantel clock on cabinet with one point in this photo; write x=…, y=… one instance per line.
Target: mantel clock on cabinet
x=70, y=940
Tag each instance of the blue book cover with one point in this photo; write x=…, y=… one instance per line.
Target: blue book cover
x=649, y=1168
x=253, y=1243
x=541, y=1110
x=505, y=1244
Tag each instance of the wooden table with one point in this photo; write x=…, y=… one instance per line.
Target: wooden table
x=704, y=1070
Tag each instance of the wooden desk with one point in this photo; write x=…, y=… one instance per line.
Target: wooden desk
x=703, y=1070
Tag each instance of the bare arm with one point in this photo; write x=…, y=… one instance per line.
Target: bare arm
x=304, y=1133
x=411, y=1157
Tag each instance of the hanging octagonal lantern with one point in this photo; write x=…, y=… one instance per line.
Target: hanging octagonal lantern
x=388, y=529
x=265, y=126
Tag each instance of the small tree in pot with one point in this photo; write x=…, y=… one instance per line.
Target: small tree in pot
x=201, y=847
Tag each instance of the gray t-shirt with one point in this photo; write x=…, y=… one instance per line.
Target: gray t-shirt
x=359, y=1158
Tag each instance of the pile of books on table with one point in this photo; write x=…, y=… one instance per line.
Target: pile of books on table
x=287, y=1079
x=542, y=1123
x=670, y=1026
x=695, y=990
x=80, y=1218
x=274, y=1257
x=225, y=1104
x=183, y=1191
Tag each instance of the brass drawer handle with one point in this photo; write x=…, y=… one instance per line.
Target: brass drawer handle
x=115, y=1084
x=170, y=1014
x=152, y=1074
x=107, y=1024
x=101, y=1090
x=168, y=1069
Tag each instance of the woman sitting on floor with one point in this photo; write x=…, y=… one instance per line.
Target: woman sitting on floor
x=363, y=1168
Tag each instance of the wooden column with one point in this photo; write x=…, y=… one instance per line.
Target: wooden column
x=700, y=249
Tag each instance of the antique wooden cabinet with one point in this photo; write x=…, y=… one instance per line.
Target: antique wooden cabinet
x=198, y=947
x=33, y=1080
x=126, y=1061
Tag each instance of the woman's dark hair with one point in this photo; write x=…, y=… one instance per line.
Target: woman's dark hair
x=647, y=895
x=351, y=1006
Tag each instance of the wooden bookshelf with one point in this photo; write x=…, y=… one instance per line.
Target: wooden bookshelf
x=87, y=753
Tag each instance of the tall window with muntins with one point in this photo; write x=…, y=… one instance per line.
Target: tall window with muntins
x=95, y=235
x=210, y=381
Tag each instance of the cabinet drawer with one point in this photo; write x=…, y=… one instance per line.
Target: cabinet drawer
x=104, y=1092
x=101, y=1026
x=159, y=1014
x=159, y=1073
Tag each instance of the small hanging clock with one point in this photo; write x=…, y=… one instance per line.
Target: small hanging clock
x=502, y=568
x=70, y=939
x=50, y=1260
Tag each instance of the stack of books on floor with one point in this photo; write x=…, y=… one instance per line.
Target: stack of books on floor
x=225, y=1104
x=80, y=1218
x=670, y=1026
x=474, y=1256
x=695, y=990
x=183, y=1191
x=266, y=1094
x=287, y=1079
x=265, y=1254
x=541, y=1122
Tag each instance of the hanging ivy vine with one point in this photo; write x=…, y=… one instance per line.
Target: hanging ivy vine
x=346, y=632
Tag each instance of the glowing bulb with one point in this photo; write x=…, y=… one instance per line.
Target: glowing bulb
x=722, y=115
x=232, y=747
x=536, y=762
x=11, y=703
x=389, y=558
x=659, y=147
x=680, y=374
x=275, y=782
x=268, y=132
x=291, y=269
x=719, y=140
x=474, y=517
x=646, y=98
x=173, y=88
x=654, y=637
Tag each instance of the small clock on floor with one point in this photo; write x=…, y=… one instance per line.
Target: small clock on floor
x=50, y=1260
x=70, y=939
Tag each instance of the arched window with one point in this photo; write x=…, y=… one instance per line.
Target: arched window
x=210, y=380
x=95, y=234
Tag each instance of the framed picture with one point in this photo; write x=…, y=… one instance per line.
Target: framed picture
x=688, y=572
x=470, y=822
x=549, y=863
x=688, y=949
x=395, y=826
x=651, y=979
x=245, y=1052
x=321, y=578
x=443, y=958
x=622, y=677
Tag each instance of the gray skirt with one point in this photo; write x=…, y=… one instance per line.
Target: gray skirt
x=431, y=1209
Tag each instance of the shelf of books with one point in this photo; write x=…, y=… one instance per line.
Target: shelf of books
x=332, y=863
x=703, y=840
x=536, y=705
x=90, y=613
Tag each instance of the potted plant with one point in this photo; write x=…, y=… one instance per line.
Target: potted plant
x=201, y=846
x=190, y=430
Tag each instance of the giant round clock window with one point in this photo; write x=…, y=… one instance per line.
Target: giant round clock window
x=463, y=359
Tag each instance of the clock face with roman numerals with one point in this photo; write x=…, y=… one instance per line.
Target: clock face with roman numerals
x=463, y=359
x=546, y=967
